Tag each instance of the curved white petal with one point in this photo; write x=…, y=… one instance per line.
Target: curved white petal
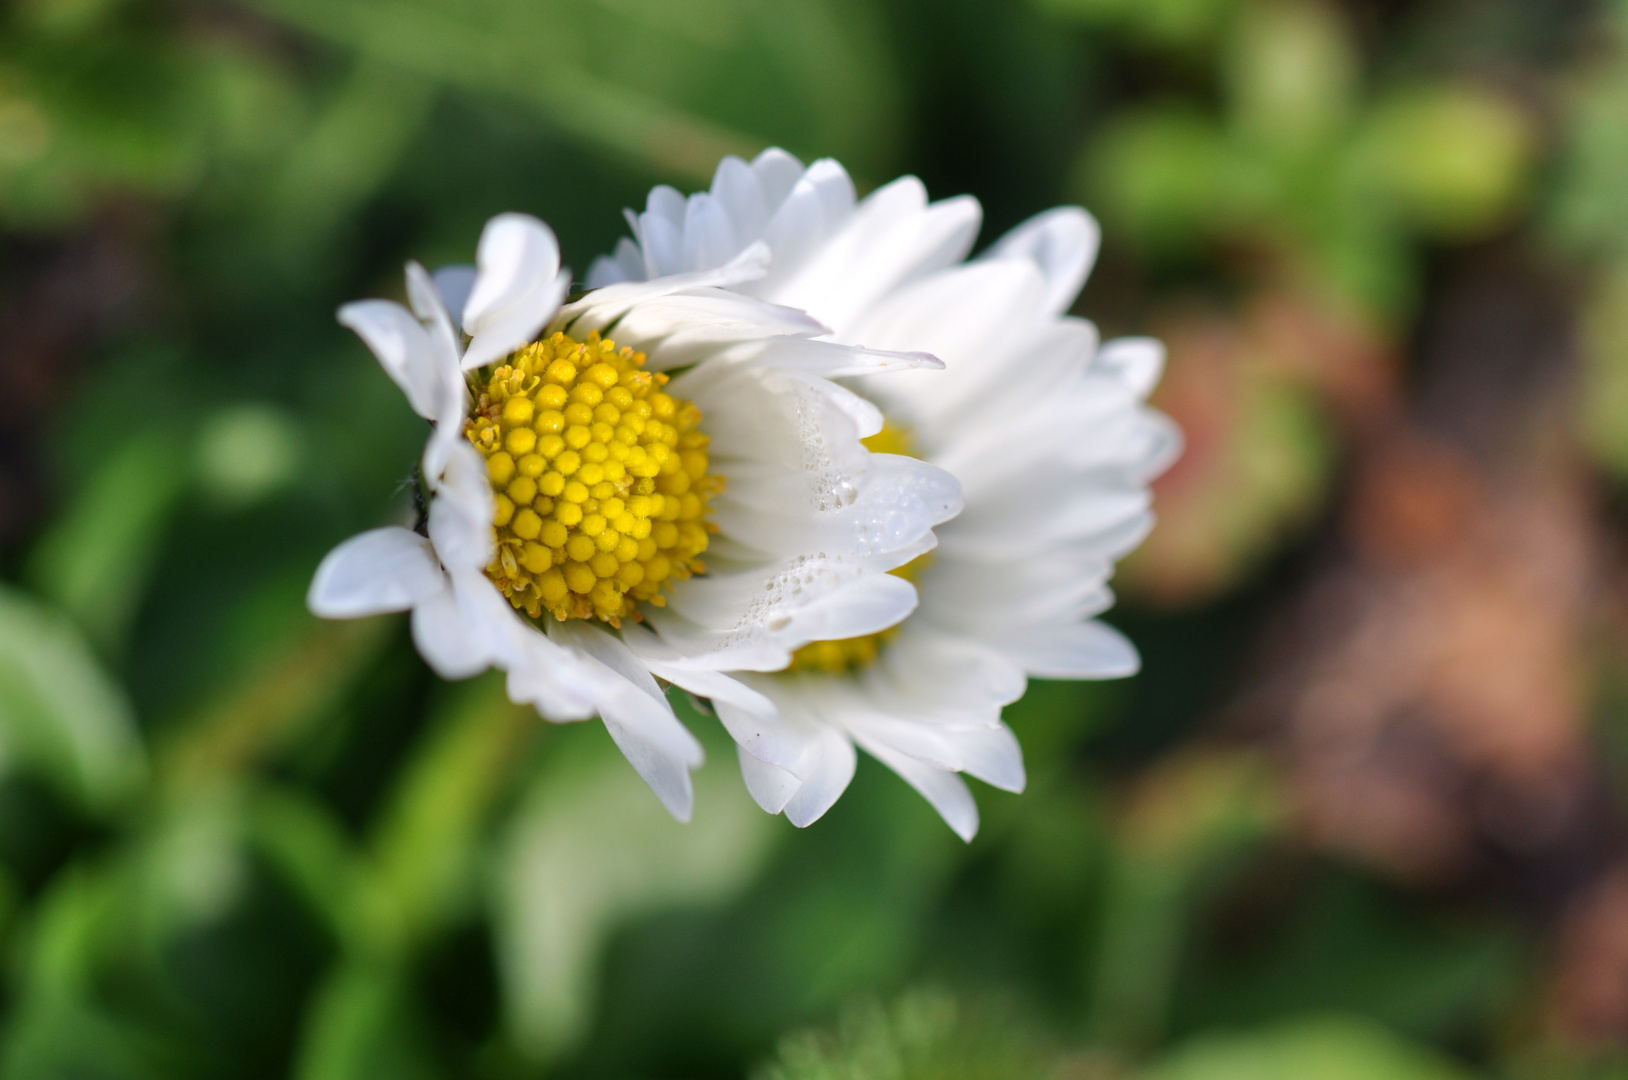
x=1135, y=361
x=946, y=791
x=384, y=570
x=892, y=238
x=405, y=350
x=518, y=287
x=868, y=605
x=451, y=630
x=770, y=786
x=460, y=524
x=1088, y=650
x=820, y=202
x=606, y=304
x=830, y=767
x=1063, y=243
x=692, y=673
x=552, y=678
x=639, y=718
x=993, y=756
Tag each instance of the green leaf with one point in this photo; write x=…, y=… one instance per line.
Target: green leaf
x=1190, y=817
x=346, y=154
x=1162, y=177
x=1451, y=160
x=302, y=840
x=924, y=1035
x=96, y=558
x=60, y=714
x=360, y=1027
x=1185, y=24
x=1327, y=1049
x=1291, y=71
x=71, y=1039
x=1603, y=400
x=248, y=452
x=672, y=87
x=426, y=847
x=591, y=848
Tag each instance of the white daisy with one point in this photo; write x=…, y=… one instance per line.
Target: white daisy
x=574, y=486
x=1045, y=429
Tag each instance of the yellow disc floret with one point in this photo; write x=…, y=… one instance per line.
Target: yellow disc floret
x=600, y=479
x=847, y=654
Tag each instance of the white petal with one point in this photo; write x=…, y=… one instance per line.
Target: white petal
x=517, y=290
x=1135, y=361
x=626, y=265
x=1088, y=650
x=709, y=236
x=446, y=640
x=791, y=737
x=603, y=271
x=606, y=305
x=981, y=319
x=832, y=360
x=662, y=240
x=553, y=679
x=1025, y=519
x=667, y=773
x=819, y=203
x=460, y=524
x=692, y=673
x=777, y=173
x=1063, y=243
x=388, y=569
x=832, y=769
x=425, y=297
x=1059, y=586
x=946, y=791
x=638, y=717
x=683, y=328
x=892, y=238
x=951, y=678
x=405, y=350
x=770, y=786
x=868, y=605
x=993, y=756
x=737, y=191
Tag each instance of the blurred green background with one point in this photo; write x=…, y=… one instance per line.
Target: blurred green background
x=1362, y=816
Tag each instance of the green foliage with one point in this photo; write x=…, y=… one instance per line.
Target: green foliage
x=926, y=1035
x=1300, y=162
x=60, y=714
x=1326, y=1049
x=588, y=849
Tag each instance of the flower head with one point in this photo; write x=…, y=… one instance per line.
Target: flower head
x=1044, y=427
x=584, y=458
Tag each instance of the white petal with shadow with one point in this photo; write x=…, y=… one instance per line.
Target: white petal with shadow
x=384, y=570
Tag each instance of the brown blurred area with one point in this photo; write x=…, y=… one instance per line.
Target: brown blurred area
x=1427, y=685
x=60, y=297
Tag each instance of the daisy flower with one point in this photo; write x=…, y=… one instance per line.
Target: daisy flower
x=658, y=481
x=1045, y=428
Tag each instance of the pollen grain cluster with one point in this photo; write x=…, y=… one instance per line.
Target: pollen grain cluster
x=600, y=479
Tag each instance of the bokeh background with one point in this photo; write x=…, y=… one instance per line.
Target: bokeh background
x=1361, y=817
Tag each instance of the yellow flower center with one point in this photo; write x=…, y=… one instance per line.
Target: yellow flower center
x=600, y=479
x=849, y=654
